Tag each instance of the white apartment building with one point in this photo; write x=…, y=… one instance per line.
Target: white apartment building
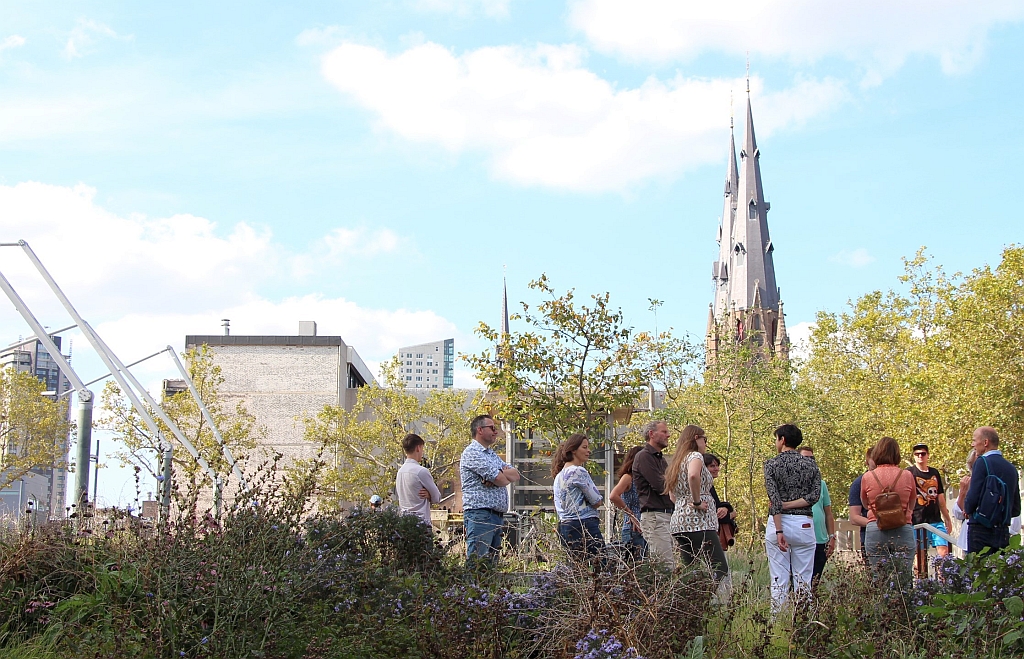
x=428, y=365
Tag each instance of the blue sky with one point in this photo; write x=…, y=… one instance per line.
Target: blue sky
x=373, y=166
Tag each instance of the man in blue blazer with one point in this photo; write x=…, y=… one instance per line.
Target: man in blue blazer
x=990, y=461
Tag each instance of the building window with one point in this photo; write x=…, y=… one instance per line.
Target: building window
x=408, y=377
x=434, y=371
x=430, y=363
x=408, y=363
x=419, y=377
x=419, y=370
x=419, y=355
x=408, y=354
x=408, y=370
x=419, y=363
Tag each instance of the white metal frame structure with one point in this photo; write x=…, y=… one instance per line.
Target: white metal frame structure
x=123, y=377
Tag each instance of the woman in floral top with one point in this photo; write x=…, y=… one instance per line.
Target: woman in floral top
x=695, y=520
x=576, y=498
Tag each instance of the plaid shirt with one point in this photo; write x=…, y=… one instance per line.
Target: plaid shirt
x=478, y=467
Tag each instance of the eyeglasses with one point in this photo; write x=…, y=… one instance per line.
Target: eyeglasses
x=492, y=427
x=704, y=437
x=920, y=452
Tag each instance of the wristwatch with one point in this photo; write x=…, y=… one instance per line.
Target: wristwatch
x=696, y=503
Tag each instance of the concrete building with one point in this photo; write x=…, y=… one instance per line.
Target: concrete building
x=747, y=302
x=46, y=487
x=282, y=379
x=428, y=365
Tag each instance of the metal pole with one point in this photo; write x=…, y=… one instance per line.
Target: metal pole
x=15, y=346
x=84, y=451
x=609, y=479
x=104, y=377
x=165, y=486
x=96, y=478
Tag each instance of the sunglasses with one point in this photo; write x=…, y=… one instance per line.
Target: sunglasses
x=920, y=452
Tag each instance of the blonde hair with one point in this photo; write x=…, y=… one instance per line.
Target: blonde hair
x=687, y=444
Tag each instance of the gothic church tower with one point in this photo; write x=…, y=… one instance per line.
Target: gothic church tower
x=747, y=303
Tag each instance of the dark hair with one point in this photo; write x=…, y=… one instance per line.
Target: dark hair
x=565, y=450
x=919, y=446
x=711, y=459
x=886, y=452
x=627, y=462
x=411, y=441
x=790, y=435
x=477, y=423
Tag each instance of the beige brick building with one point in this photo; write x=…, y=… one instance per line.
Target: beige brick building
x=282, y=379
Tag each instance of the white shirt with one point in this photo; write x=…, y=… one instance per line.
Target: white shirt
x=411, y=477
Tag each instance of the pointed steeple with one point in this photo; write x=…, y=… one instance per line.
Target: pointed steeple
x=753, y=268
x=721, y=270
x=504, y=308
x=503, y=334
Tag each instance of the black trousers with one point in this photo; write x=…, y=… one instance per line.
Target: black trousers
x=819, y=561
x=693, y=544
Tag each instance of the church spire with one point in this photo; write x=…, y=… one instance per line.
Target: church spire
x=753, y=265
x=721, y=271
x=504, y=308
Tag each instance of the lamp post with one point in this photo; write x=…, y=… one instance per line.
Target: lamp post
x=620, y=416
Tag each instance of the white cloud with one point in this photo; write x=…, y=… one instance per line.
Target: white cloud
x=13, y=41
x=877, y=34
x=361, y=242
x=86, y=34
x=857, y=258
x=491, y=8
x=145, y=283
x=544, y=119
x=800, y=339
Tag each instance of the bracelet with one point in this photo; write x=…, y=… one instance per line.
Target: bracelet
x=779, y=532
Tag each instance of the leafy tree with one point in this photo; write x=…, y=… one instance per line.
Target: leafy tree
x=364, y=444
x=573, y=366
x=237, y=427
x=739, y=399
x=33, y=428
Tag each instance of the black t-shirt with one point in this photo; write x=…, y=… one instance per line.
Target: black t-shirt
x=929, y=487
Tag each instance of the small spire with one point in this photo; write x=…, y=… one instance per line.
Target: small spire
x=748, y=73
x=504, y=306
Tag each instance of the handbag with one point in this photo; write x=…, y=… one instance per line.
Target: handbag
x=888, y=509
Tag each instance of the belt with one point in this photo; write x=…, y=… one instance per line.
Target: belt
x=656, y=510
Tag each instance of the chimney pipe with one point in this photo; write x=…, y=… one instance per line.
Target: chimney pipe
x=226, y=323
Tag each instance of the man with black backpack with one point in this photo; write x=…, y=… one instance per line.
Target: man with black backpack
x=993, y=497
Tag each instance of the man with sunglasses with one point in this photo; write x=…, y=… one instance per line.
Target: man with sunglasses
x=931, y=506
x=484, y=497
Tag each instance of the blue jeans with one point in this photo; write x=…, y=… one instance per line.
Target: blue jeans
x=633, y=540
x=483, y=532
x=582, y=536
x=979, y=536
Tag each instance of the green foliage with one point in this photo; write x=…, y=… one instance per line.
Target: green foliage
x=33, y=427
x=237, y=427
x=364, y=445
x=574, y=365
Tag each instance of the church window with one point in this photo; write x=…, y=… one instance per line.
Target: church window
x=752, y=210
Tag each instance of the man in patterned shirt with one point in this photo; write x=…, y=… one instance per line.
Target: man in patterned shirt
x=484, y=497
x=794, y=486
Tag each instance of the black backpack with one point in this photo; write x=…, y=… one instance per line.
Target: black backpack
x=992, y=510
